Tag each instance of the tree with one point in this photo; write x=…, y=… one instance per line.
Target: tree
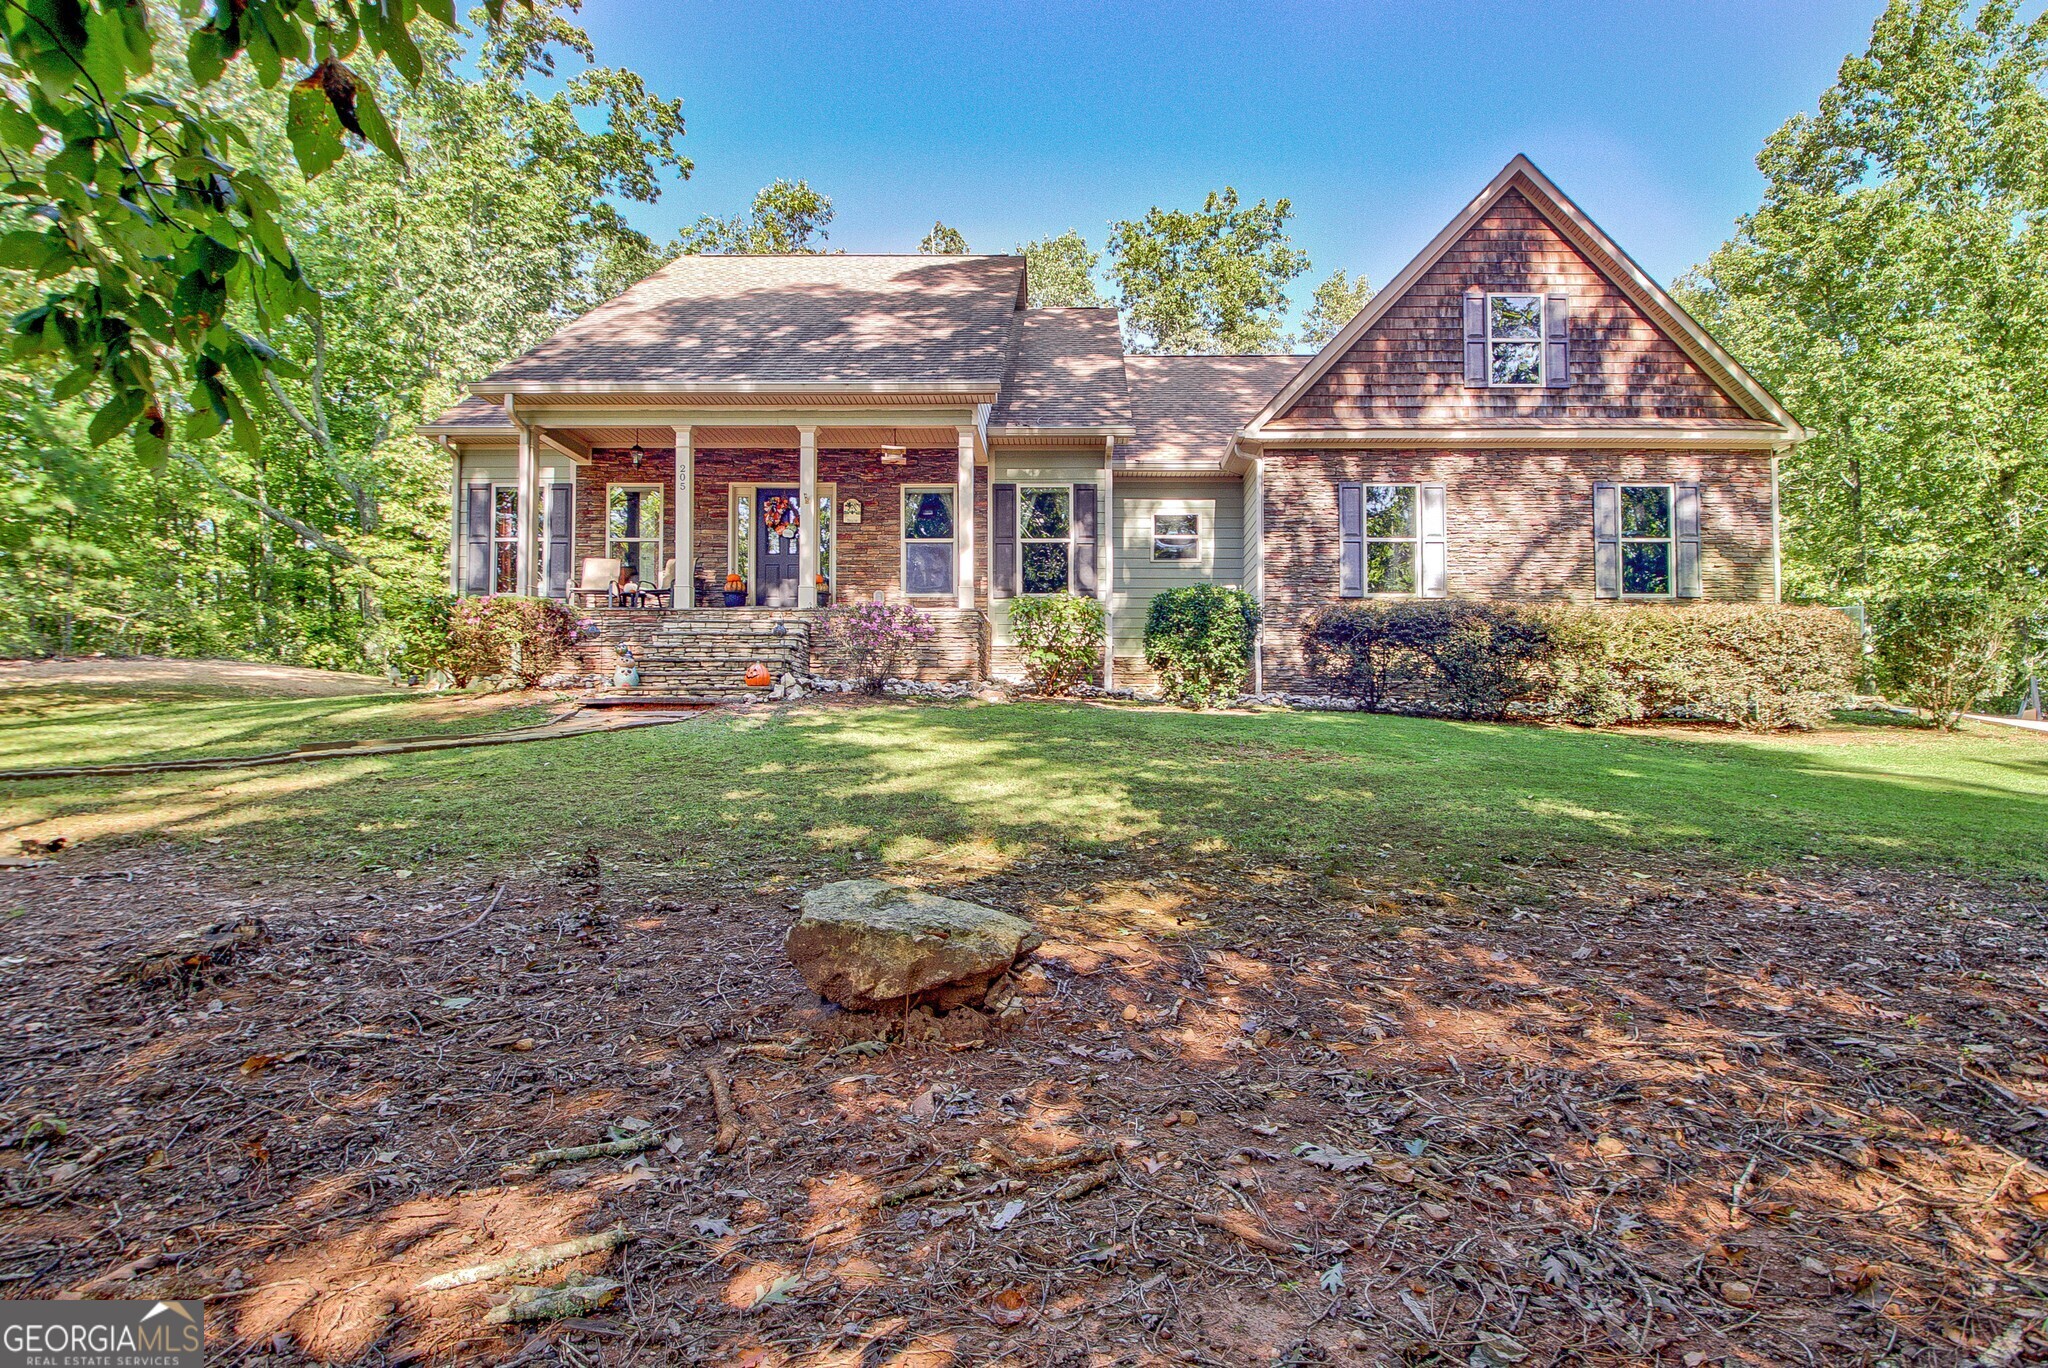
x=1892, y=288
x=787, y=216
x=943, y=241
x=166, y=253
x=1062, y=272
x=1212, y=280
x=1335, y=302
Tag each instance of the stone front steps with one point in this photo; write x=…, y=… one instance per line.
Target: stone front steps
x=708, y=652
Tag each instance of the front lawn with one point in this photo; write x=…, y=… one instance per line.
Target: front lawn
x=983, y=786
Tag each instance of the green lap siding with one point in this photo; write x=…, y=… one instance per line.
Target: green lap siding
x=1023, y=467
x=1219, y=507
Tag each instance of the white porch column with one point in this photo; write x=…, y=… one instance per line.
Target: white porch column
x=807, y=525
x=963, y=522
x=529, y=505
x=686, y=521
x=1105, y=537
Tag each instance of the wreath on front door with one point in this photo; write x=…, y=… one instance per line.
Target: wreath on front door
x=778, y=515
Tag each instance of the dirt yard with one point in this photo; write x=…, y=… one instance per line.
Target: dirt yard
x=150, y=673
x=1249, y=1117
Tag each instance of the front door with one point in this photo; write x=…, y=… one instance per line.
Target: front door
x=777, y=522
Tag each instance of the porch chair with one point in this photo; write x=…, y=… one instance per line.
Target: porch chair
x=663, y=595
x=595, y=587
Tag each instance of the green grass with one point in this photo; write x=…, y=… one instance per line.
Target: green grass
x=85, y=724
x=991, y=785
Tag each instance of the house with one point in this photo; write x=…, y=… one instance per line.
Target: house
x=1520, y=413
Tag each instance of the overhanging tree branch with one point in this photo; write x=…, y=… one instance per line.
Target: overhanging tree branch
x=277, y=515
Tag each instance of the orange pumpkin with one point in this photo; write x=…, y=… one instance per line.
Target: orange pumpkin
x=758, y=676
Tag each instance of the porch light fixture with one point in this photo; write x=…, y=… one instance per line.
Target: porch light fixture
x=636, y=454
x=894, y=455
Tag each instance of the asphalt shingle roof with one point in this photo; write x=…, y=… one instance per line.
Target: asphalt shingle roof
x=1188, y=408
x=1066, y=370
x=791, y=320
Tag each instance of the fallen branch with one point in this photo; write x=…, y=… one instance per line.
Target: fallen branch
x=930, y=1183
x=489, y=908
x=574, y=1297
x=721, y=1102
x=1243, y=1229
x=532, y=1260
x=1084, y=1184
x=541, y=1160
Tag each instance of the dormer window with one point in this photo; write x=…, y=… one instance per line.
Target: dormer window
x=1514, y=339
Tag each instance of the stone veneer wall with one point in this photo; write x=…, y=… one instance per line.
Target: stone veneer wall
x=1519, y=525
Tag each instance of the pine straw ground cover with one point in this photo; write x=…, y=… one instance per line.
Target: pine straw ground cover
x=1609, y=1117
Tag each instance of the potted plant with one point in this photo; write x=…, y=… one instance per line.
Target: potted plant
x=824, y=591
x=735, y=591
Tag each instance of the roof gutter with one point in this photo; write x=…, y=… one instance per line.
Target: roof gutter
x=487, y=389
x=1523, y=438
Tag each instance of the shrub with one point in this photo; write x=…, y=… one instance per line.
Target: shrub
x=1060, y=638
x=1758, y=665
x=413, y=637
x=1942, y=651
x=870, y=639
x=508, y=634
x=1199, y=639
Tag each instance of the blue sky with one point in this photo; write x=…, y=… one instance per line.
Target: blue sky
x=1012, y=121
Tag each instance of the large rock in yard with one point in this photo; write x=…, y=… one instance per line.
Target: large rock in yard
x=866, y=944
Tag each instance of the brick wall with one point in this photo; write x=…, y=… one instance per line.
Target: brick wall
x=1519, y=526
x=1410, y=365
x=608, y=468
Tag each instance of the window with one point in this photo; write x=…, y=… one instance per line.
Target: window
x=632, y=529
x=1176, y=536
x=504, y=539
x=1390, y=539
x=1045, y=534
x=1646, y=540
x=928, y=541
x=1514, y=339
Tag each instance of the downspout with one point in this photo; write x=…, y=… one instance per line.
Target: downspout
x=1106, y=535
x=1777, y=541
x=1258, y=584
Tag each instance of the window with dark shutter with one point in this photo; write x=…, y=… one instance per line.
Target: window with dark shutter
x=1685, y=512
x=1084, y=540
x=476, y=570
x=1476, y=365
x=1606, y=541
x=560, y=516
x=1351, y=540
x=1002, y=522
x=1557, y=355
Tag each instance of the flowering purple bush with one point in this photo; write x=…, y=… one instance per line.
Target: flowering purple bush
x=508, y=634
x=870, y=639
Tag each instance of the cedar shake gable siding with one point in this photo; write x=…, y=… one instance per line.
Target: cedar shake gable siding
x=1519, y=525
x=1408, y=369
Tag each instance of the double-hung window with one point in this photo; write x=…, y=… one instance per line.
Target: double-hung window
x=1392, y=542
x=1045, y=537
x=1176, y=536
x=632, y=528
x=504, y=539
x=1646, y=537
x=1514, y=339
x=928, y=541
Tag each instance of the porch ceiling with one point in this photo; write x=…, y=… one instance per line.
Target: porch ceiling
x=765, y=438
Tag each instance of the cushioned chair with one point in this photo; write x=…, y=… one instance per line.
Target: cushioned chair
x=664, y=594
x=596, y=584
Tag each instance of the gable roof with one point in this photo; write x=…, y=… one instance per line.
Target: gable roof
x=739, y=323
x=1066, y=371
x=1189, y=409
x=1767, y=418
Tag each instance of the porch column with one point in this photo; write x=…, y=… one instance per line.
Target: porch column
x=963, y=522
x=686, y=521
x=807, y=524
x=529, y=504
x=1105, y=537
x=454, y=516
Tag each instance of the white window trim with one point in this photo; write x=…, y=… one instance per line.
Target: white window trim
x=1022, y=541
x=1200, y=559
x=1622, y=539
x=1413, y=541
x=903, y=538
x=1542, y=338
x=664, y=545
x=732, y=530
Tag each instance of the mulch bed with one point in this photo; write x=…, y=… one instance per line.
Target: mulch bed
x=1249, y=1116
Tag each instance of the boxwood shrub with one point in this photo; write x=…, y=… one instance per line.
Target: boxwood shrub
x=1762, y=666
x=1198, y=639
x=1060, y=638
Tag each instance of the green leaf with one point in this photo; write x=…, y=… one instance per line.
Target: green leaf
x=375, y=128
x=23, y=250
x=314, y=130
x=74, y=384
x=105, y=57
x=115, y=415
x=18, y=128
x=206, y=56
x=264, y=56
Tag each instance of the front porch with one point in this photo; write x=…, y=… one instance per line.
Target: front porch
x=706, y=651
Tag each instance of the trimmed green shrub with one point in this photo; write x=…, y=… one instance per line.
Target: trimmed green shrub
x=1943, y=652
x=1198, y=638
x=509, y=634
x=1060, y=638
x=1762, y=666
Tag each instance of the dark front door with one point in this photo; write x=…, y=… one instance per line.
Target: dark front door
x=777, y=523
